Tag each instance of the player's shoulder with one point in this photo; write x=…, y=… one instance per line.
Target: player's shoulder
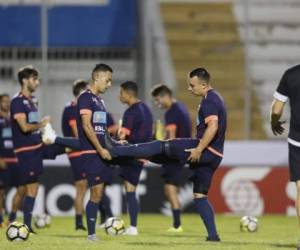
x=17, y=99
x=143, y=105
x=70, y=105
x=178, y=106
x=293, y=70
x=85, y=95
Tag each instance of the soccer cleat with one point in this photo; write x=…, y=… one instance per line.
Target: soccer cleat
x=175, y=230
x=32, y=232
x=80, y=227
x=298, y=245
x=48, y=134
x=215, y=238
x=131, y=231
x=92, y=238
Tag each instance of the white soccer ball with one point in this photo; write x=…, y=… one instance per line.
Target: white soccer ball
x=42, y=221
x=114, y=226
x=248, y=224
x=17, y=231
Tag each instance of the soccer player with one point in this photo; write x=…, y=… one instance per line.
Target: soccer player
x=289, y=89
x=69, y=129
x=27, y=137
x=136, y=128
x=8, y=160
x=177, y=125
x=204, y=154
x=92, y=124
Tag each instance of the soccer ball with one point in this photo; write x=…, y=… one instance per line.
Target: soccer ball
x=248, y=224
x=42, y=221
x=114, y=226
x=17, y=231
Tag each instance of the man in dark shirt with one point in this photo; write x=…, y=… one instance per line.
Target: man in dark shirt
x=136, y=128
x=91, y=125
x=69, y=129
x=27, y=141
x=177, y=125
x=204, y=154
x=289, y=89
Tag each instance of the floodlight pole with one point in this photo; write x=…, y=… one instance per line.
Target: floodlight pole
x=248, y=85
x=44, y=47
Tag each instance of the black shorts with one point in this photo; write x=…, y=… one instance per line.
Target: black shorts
x=97, y=171
x=203, y=171
x=294, y=162
x=9, y=176
x=131, y=170
x=172, y=173
x=77, y=168
x=30, y=166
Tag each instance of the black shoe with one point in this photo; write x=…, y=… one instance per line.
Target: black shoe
x=32, y=232
x=215, y=238
x=80, y=227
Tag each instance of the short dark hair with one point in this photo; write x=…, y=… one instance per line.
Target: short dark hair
x=201, y=73
x=78, y=86
x=101, y=67
x=26, y=72
x=130, y=86
x=3, y=95
x=161, y=90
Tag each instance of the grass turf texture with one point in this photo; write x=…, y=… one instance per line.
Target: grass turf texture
x=275, y=232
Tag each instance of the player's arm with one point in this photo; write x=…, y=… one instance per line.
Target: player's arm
x=276, y=112
x=73, y=126
x=208, y=136
x=171, y=131
x=90, y=134
x=127, y=125
x=2, y=163
x=28, y=127
x=280, y=98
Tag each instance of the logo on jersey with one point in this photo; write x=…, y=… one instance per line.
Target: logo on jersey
x=99, y=117
x=8, y=144
x=6, y=133
x=33, y=117
x=95, y=100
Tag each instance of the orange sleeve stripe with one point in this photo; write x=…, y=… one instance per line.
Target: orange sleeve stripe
x=211, y=118
x=74, y=154
x=85, y=111
x=29, y=148
x=19, y=115
x=72, y=122
x=88, y=152
x=215, y=151
x=171, y=127
x=126, y=131
x=10, y=160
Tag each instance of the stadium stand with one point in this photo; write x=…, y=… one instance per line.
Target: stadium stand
x=199, y=37
x=274, y=33
x=79, y=36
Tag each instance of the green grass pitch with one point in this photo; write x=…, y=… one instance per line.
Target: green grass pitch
x=275, y=232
